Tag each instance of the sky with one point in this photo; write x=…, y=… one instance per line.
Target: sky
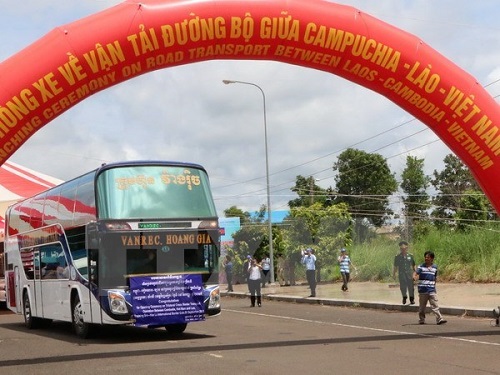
x=186, y=113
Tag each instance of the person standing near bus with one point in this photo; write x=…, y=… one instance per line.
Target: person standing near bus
x=345, y=268
x=404, y=265
x=266, y=267
x=254, y=280
x=309, y=261
x=228, y=268
x=246, y=265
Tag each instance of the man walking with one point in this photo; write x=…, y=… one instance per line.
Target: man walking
x=404, y=265
x=426, y=274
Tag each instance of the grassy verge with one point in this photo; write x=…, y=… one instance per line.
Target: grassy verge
x=472, y=256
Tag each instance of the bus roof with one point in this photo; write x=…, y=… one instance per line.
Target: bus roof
x=148, y=162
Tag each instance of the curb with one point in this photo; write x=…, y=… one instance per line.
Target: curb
x=446, y=310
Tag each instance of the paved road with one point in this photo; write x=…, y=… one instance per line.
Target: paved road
x=277, y=338
x=454, y=299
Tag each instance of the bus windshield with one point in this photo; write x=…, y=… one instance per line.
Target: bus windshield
x=148, y=192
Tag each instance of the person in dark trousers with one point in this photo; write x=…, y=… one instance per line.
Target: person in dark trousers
x=309, y=260
x=266, y=267
x=228, y=268
x=426, y=274
x=345, y=268
x=404, y=265
x=254, y=282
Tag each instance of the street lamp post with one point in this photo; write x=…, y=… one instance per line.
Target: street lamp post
x=270, y=225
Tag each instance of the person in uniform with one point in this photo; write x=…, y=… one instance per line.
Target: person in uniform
x=404, y=265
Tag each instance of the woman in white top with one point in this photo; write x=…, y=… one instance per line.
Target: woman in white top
x=254, y=273
x=266, y=267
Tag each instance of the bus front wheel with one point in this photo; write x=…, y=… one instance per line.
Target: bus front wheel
x=176, y=329
x=82, y=329
x=29, y=320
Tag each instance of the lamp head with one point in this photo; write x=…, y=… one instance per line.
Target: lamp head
x=227, y=81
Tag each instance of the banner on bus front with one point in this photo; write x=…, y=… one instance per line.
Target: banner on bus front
x=167, y=299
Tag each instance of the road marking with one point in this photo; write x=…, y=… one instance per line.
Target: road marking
x=366, y=328
x=216, y=355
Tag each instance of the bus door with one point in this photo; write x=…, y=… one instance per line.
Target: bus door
x=36, y=291
x=92, y=244
x=14, y=290
x=51, y=283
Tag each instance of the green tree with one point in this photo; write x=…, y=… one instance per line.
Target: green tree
x=474, y=210
x=416, y=201
x=452, y=182
x=253, y=237
x=364, y=181
x=308, y=192
x=326, y=229
x=234, y=211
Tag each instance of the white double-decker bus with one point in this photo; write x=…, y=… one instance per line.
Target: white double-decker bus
x=132, y=243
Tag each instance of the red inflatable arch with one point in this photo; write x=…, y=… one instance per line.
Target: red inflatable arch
x=135, y=37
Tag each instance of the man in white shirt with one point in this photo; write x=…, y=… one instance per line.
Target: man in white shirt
x=254, y=270
x=309, y=260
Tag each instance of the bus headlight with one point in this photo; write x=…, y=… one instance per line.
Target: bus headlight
x=214, y=301
x=117, y=303
x=209, y=224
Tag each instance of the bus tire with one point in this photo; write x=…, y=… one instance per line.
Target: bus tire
x=176, y=329
x=81, y=328
x=29, y=320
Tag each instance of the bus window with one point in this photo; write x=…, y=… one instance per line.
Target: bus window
x=154, y=192
x=20, y=218
x=194, y=260
x=66, y=206
x=50, y=206
x=85, y=206
x=36, y=212
x=31, y=262
x=80, y=262
x=53, y=262
x=76, y=242
x=140, y=261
